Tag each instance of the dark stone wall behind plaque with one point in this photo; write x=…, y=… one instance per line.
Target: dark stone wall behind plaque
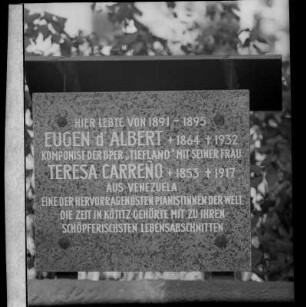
x=261, y=75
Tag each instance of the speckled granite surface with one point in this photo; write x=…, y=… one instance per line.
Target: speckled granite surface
x=225, y=112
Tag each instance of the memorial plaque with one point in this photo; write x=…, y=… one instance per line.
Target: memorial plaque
x=142, y=181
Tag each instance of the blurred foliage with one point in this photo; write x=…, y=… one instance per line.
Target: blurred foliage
x=271, y=171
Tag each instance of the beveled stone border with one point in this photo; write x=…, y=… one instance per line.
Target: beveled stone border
x=14, y=163
x=76, y=292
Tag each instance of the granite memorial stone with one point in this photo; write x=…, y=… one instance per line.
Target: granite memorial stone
x=142, y=181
